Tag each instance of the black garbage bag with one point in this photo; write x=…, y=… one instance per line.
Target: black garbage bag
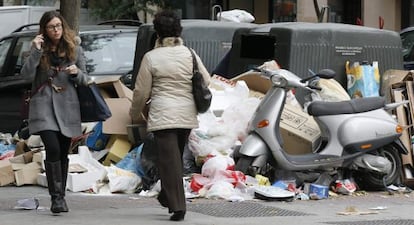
x=148, y=163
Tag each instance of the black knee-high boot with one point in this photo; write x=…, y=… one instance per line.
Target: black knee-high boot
x=54, y=184
x=64, y=166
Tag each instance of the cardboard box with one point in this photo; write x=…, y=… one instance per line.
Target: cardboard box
x=117, y=123
x=299, y=131
x=39, y=157
x=21, y=148
x=22, y=158
x=118, y=147
x=112, y=87
x=27, y=173
x=392, y=79
x=6, y=173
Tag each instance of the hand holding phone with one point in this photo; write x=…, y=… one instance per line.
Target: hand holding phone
x=72, y=69
x=38, y=41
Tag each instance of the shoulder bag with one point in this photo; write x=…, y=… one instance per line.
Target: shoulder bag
x=93, y=107
x=202, y=94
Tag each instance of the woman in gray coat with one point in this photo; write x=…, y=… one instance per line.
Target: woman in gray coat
x=56, y=63
x=165, y=77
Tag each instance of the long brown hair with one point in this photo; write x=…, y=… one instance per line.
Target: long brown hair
x=67, y=44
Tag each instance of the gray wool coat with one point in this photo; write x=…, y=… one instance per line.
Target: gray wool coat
x=48, y=108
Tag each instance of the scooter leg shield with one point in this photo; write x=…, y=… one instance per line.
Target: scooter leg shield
x=253, y=146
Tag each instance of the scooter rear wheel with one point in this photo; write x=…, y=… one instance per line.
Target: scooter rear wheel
x=374, y=181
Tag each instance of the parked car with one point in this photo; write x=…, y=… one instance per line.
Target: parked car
x=407, y=38
x=109, y=50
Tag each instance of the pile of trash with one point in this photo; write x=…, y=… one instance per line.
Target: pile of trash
x=114, y=157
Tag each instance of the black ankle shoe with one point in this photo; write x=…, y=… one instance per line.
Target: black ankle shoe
x=56, y=205
x=178, y=216
x=162, y=201
x=64, y=205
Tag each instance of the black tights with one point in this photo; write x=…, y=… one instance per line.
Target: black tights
x=56, y=145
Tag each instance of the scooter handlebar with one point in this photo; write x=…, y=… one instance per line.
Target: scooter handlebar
x=291, y=79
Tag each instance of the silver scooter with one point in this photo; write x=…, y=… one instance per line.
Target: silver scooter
x=358, y=136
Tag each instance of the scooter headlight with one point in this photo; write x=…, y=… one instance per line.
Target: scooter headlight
x=279, y=81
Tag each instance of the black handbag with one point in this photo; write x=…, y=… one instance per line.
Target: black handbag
x=202, y=94
x=93, y=107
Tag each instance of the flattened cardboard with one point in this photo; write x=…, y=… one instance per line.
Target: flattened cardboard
x=117, y=123
x=254, y=81
x=402, y=120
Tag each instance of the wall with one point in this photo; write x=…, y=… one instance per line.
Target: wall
x=388, y=9
x=261, y=11
x=306, y=10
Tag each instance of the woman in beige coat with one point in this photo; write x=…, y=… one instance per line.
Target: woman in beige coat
x=165, y=78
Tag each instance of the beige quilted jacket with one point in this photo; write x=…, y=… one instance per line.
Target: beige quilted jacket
x=165, y=77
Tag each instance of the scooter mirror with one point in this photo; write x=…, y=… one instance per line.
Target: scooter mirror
x=326, y=74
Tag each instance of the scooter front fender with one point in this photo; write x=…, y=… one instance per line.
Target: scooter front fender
x=253, y=146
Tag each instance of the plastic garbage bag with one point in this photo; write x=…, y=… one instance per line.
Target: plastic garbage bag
x=220, y=190
x=121, y=180
x=28, y=203
x=132, y=161
x=236, y=15
x=215, y=164
x=363, y=79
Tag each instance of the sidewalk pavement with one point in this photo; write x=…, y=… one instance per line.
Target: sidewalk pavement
x=377, y=208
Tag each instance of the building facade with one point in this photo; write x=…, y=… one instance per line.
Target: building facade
x=387, y=14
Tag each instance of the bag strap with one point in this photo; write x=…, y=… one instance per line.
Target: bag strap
x=195, y=65
x=42, y=85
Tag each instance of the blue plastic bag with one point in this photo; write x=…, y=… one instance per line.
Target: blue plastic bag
x=132, y=161
x=97, y=140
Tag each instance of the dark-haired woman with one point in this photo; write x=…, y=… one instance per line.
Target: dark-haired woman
x=56, y=63
x=165, y=78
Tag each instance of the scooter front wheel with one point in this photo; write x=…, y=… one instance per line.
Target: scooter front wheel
x=244, y=164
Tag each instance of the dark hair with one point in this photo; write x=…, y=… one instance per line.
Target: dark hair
x=167, y=24
x=67, y=44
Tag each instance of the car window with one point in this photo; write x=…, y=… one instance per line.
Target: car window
x=109, y=53
x=21, y=52
x=407, y=44
x=4, y=48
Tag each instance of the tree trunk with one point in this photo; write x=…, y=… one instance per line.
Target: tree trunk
x=70, y=10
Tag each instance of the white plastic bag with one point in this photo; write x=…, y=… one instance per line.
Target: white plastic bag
x=220, y=190
x=236, y=15
x=121, y=180
x=214, y=164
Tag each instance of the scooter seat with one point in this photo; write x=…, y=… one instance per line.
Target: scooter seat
x=358, y=105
